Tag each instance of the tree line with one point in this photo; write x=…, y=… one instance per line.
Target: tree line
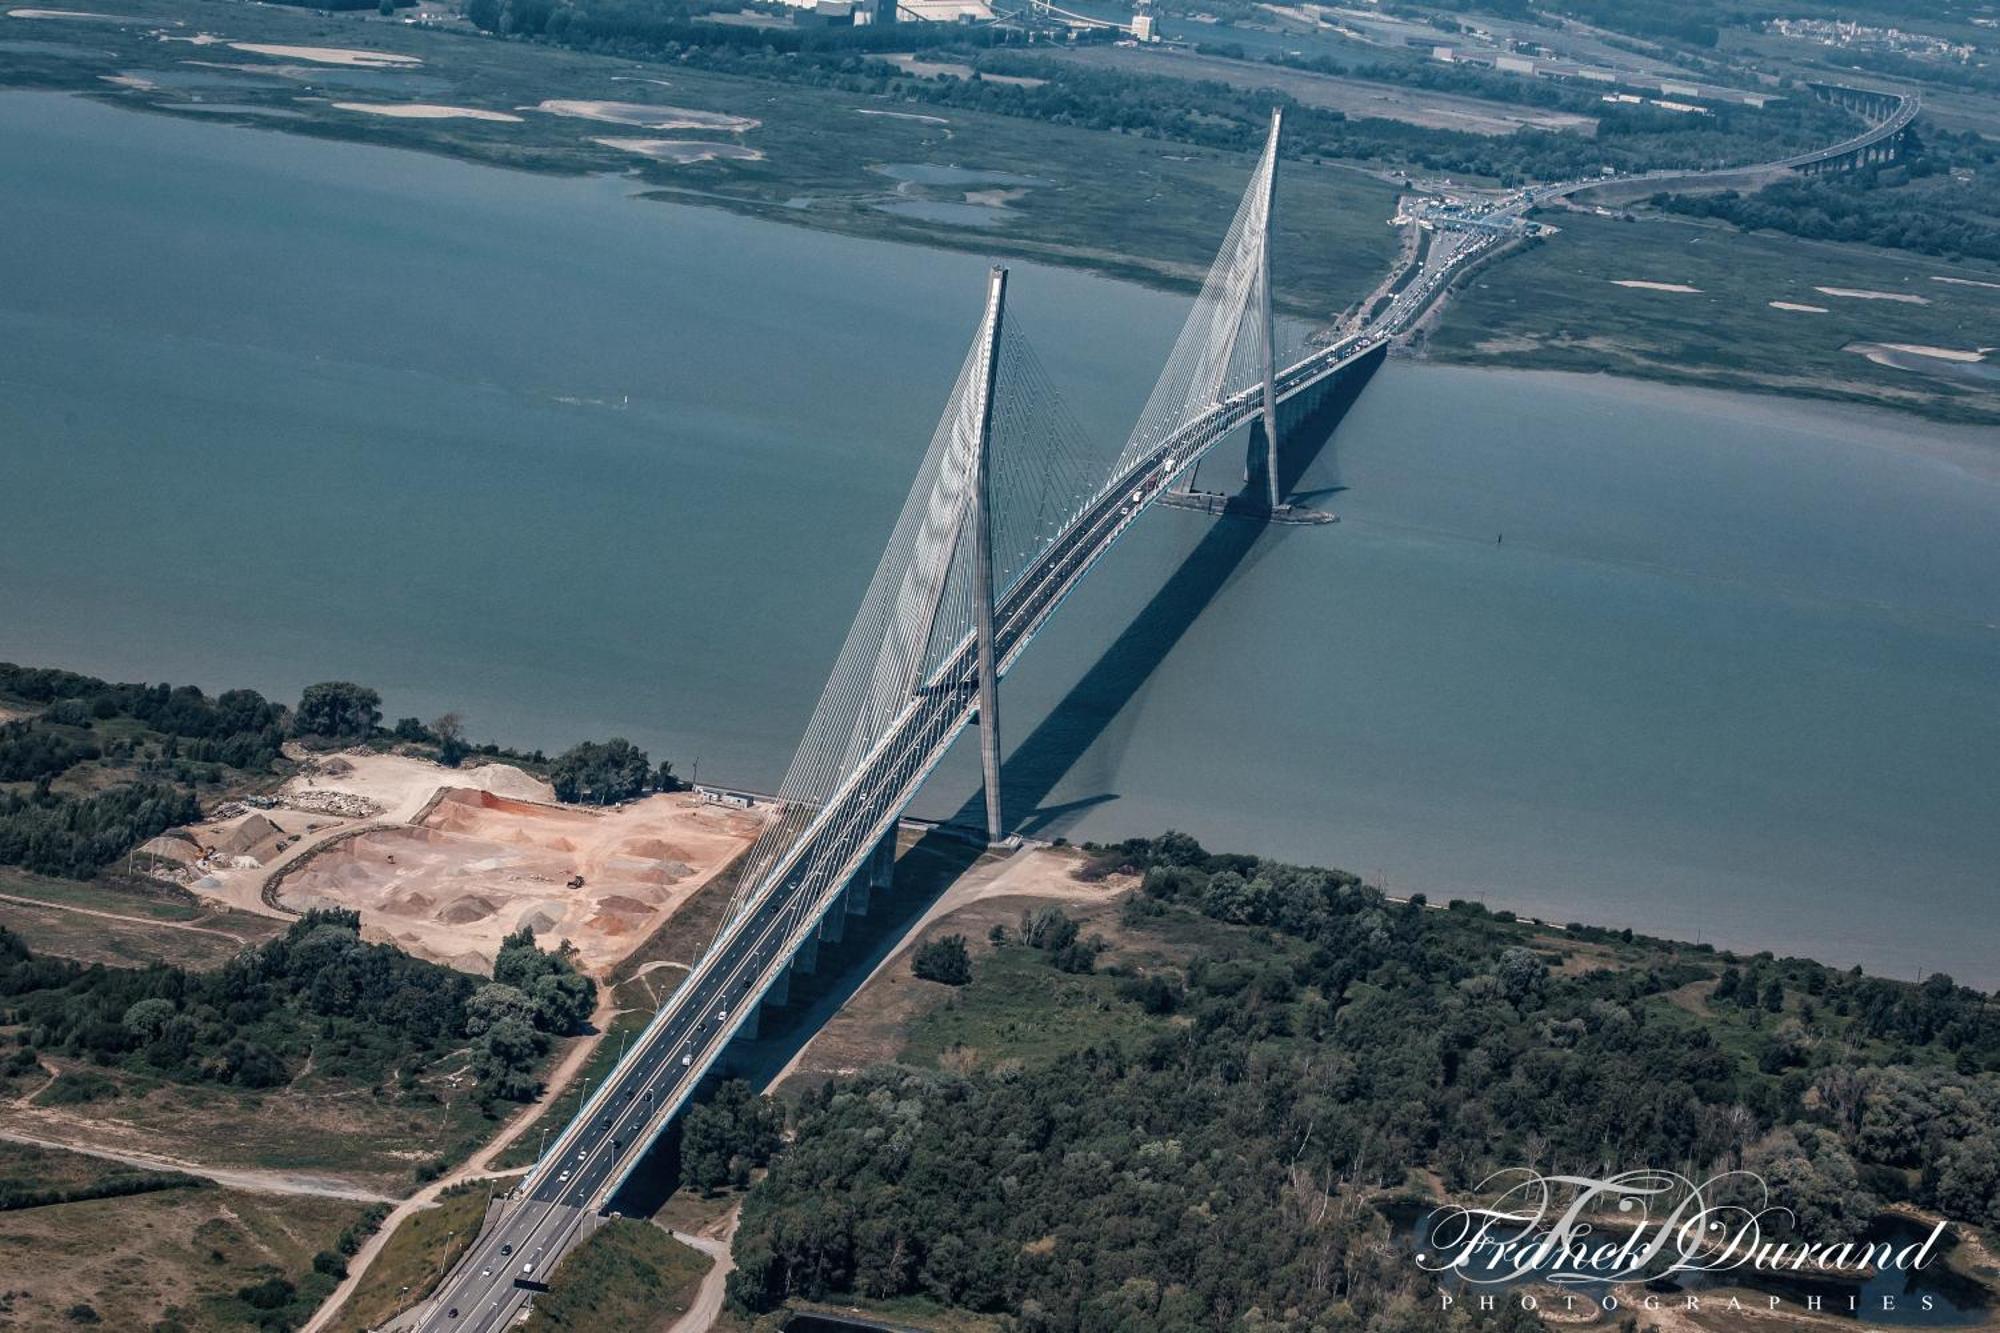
x=1916, y=204
x=185, y=743
x=1322, y=1045
x=366, y=1014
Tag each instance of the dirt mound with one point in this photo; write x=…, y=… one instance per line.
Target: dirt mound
x=507, y=780
x=240, y=840
x=618, y=902
x=662, y=873
x=539, y=921
x=468, y=909
x=658, y=849
x=173, y=845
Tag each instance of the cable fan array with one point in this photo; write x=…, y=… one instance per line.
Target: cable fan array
x=909, y=637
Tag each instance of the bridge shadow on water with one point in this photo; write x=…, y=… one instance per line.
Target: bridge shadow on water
x=930, y=863
x=1047, y=755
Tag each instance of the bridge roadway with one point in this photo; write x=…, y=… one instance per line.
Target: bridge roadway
x=544, y=1216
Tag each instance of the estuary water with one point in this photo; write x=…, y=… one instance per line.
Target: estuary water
x=274, y=410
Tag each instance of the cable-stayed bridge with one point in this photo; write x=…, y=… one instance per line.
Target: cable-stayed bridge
x=1010, y=509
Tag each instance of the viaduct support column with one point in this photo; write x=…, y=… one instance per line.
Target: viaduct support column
x=982, y=557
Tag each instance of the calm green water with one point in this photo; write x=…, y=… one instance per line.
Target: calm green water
x=274, y=410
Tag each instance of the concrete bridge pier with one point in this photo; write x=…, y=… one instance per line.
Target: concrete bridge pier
x=882, y=864
x=780, y=993
x=833, y=926
x=805, y=960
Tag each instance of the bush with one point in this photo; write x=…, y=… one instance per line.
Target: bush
x=337, y=708
x=601, y=772
x=944, y=960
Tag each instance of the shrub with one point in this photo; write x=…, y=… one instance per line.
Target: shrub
x=944, y=960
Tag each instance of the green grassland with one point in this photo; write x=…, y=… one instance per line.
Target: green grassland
x=316, y=1125
x=1018, y=1008
x=628, y=1275
x=126, y=898
x=50, y=930
x=1556, y=307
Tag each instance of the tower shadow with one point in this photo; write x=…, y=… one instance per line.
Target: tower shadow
x=1041, y=761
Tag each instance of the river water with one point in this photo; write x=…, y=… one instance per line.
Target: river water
x=274, y=410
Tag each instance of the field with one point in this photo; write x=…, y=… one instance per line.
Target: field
x=186, y=1255
x=100, y=923
x=1558, y=307
x=339, y=1133
x=1357, y=98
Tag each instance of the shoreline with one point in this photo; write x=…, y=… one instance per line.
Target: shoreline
x=1155, y=275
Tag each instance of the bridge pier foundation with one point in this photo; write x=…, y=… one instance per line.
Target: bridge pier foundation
x=780, y=993
x=882, y=864
x=805, y=959
x=833, y=926
x=857, y=894
x=752, y=1024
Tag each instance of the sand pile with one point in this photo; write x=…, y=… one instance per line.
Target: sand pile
x=174, y=845
x=246, y=837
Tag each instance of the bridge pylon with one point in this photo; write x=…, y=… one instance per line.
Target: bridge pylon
x=982, y=555
x=1266, y=320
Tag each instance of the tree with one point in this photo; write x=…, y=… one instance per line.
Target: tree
x=559, y=997
x=601, y=772
x=149, y=1017
x=723, y=1138
x=496, y=1003
x=944, y=960
x=449, y=728
x=337, y=708
x=505, y=1055
x=1520, y=973
x=1048, y=928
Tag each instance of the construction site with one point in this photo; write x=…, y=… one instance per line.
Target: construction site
x=445, y=863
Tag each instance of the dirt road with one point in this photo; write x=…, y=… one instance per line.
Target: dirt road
x=240, y=1178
